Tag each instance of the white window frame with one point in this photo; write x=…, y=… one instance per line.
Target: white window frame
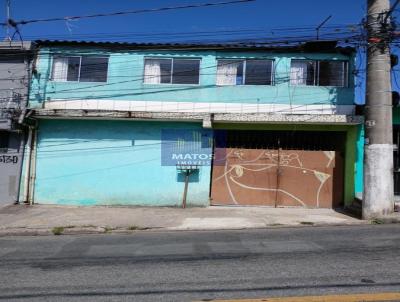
x=172, y=70
x=244, y=70
x=80, y=66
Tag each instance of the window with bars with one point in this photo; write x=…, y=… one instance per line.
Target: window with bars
x=319, y=73
x=80, y=69
x=171, y=71
x=244, y=72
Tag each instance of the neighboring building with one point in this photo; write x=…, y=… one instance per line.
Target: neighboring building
x=396, y=153
x=242, y=124
x=14, y=83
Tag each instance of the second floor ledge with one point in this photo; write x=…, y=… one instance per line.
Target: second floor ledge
x=206, y=118
x=212, y=107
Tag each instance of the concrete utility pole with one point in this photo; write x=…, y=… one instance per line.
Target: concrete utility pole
x=378, y=197
x=8, y=17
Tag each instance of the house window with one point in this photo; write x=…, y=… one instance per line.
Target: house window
x=171, y=71
x=332, y=73
x=80, y=69
x=302, y=72
x=319, y=73
x=244, y=72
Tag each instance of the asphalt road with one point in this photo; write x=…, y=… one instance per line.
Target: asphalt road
x=188, y=266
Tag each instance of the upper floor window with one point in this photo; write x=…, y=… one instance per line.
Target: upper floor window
x=171, y=71
x=319, y=73
x=80, y=69
x=244, y=72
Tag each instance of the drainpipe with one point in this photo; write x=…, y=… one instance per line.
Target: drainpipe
x=28, y=165
x=25, y=113
x=32, y=177
x=187, y=174
x=31, y=166
x=22, y=156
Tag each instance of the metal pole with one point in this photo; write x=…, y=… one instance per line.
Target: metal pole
x=8, y=16
x=27, y=175
x=32, y=177
x=378, y=199
x=187, y=173
x=278, y=176
x=322, y=24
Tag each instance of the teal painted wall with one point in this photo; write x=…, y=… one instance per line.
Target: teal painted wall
x=359, y=180
x=125, y=80
x=119, y=162
x=111, y=162
x=360, y=150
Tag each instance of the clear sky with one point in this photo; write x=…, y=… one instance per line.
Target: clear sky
x=251, y=20
x=261, y=14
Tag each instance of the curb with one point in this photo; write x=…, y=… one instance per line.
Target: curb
x=58, y=231
x=121, y=230
x=25, y=232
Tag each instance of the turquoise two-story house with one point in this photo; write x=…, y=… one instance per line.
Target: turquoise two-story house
x=194, y=125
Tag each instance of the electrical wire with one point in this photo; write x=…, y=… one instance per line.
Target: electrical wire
x=129, y=12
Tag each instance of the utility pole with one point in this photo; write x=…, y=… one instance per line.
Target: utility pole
x=378, y=197
x=8, y=17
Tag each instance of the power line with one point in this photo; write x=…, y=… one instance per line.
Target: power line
x=389, y=13
x=335, y=28
x=151, y=10
x=267, y=42
x=139, y=78
x=44, y=54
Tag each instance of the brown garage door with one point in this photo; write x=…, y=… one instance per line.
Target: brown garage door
x=275, y=177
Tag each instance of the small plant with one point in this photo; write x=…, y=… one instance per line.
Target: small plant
x=133, y=228
x=307, y=223
x=377, y=221
x=108, y=229
x=58, y=230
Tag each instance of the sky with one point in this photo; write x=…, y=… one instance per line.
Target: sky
x=260, y=14
x=253, y=20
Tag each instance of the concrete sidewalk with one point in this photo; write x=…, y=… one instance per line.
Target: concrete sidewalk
x=49, y=219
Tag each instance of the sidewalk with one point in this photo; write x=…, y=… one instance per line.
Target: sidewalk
x=49, y=219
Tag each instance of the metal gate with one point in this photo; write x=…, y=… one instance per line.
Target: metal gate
x=278, y=178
